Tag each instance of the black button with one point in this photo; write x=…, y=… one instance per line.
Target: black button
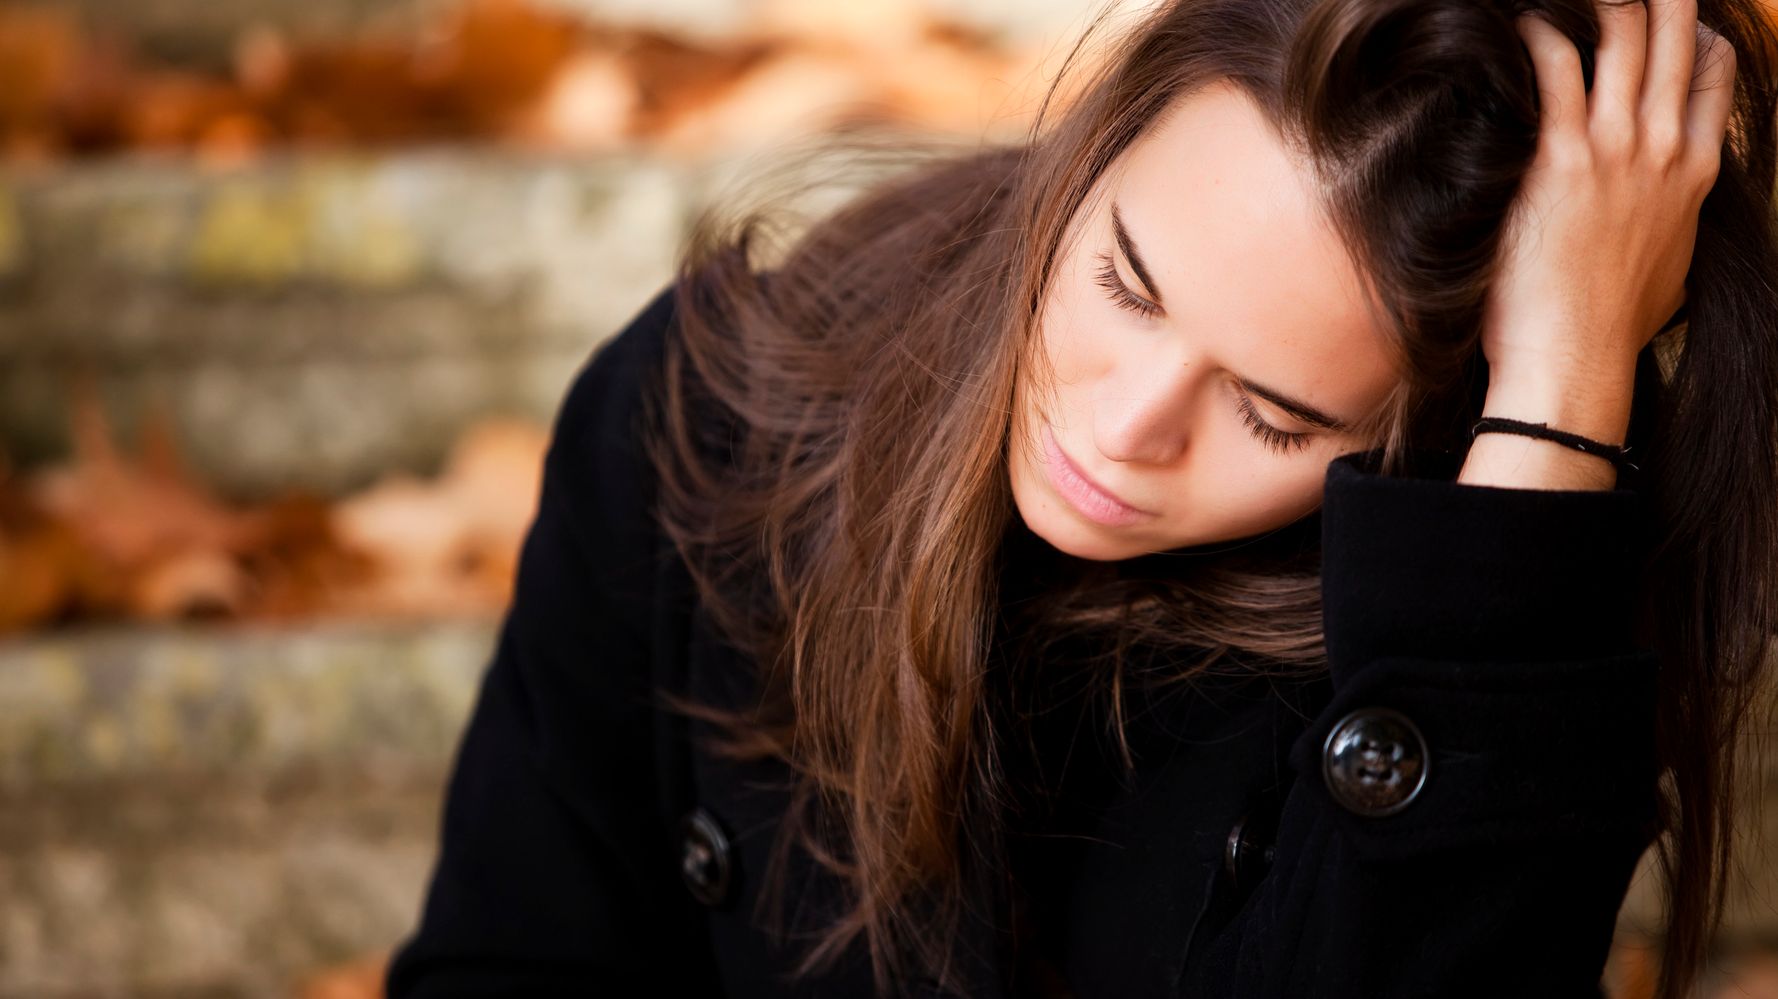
x=1374, y=761
x=1247, y=854
x=704, y=857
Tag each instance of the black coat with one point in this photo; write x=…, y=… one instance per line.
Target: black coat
x=1470, y=830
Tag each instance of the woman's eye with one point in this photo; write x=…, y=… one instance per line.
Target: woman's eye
x=1278, y=440
x=1120, y=293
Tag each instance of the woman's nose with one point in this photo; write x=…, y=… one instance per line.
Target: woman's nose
x=1146, y=419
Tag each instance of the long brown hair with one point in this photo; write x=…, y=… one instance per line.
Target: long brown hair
x=835, y=410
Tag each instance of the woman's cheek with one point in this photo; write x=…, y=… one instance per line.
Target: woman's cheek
x=1291, y=492
x=1073, y=356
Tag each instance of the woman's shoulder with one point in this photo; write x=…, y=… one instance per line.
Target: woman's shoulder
x=620, y=383
x=598, y=480
x=601, y=463
x=605, y=395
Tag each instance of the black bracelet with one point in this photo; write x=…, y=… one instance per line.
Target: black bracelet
x=1610, y=452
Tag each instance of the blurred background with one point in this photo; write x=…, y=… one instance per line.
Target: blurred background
x=289, y=292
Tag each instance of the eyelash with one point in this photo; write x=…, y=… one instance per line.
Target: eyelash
x=1121, y=296
x=1272, y=437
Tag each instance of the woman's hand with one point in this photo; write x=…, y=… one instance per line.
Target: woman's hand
x=1601, y=236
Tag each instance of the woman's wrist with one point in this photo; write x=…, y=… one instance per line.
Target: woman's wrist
x=1596, y=406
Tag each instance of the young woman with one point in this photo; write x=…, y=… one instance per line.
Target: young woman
x=1107, y=566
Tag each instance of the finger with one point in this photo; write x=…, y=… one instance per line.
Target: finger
x=1672, y=48
x=1618, y=62
x=1562, y=92
x=1712, y=98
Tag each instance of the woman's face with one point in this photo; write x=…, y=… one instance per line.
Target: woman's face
x=1209, y=342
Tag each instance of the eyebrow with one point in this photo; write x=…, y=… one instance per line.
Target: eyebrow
x=1128, y=245
x=1290, y=404
x=1295, y=407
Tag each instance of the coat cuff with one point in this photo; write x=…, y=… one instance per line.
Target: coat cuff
x=1518, y=753
x=1420, y=565
x=1500, y=621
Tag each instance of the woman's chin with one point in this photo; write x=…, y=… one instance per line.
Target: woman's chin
x=1071, y=534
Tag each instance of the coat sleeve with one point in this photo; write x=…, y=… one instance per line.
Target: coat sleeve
x=1498, y=621
x=554, y=875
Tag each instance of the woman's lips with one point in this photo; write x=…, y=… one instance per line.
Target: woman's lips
x=1091, y=500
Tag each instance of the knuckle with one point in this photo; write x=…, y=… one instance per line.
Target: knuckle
x=1562, y=57
x=1722, y=53
x=1706, y=166
x=1567, y=154
x=1713, y=44
x=1614, y=140
x=1663, y=143
x=1552, y=52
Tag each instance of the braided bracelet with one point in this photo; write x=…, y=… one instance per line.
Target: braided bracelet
x=1610, y=452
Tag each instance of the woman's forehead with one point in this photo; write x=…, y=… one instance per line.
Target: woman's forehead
x=1228, y=224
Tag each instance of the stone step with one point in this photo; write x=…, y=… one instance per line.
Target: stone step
x=317, y=320
x=207, y=811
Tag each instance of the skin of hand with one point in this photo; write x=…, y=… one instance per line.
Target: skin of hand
x=1597, y=250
